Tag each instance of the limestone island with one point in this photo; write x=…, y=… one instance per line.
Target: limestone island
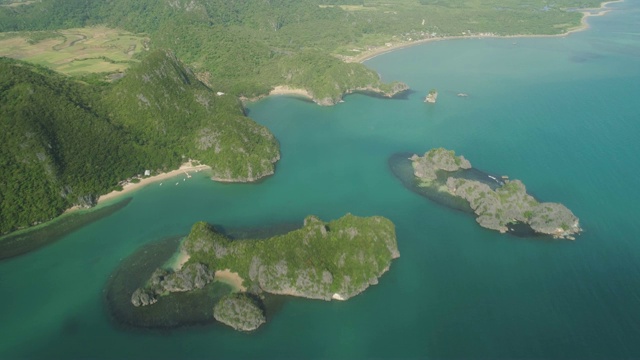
x=432, y=96
x=499, y=204
x=335, y=260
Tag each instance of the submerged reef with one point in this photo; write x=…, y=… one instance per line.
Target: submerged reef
x=498, y=203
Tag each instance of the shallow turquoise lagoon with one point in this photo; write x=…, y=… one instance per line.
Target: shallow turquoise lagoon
x=561, y=114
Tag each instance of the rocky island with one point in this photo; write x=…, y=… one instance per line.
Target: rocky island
x=335, y=260
x=240, y=311
x=498, y=203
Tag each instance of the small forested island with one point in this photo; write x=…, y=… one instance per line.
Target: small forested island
x=499, y=204
x=322, y=260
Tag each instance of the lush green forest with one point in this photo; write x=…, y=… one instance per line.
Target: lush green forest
x=67, y=140
x=236, y=45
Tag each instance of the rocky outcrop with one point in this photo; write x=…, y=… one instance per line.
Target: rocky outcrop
x=190, y=277
x=265, y=169
x=431, y=97
x=425, y=167
x=386, y=90
x=240, y=311
x=87, y=201
x=142, y=297
x=510, y=203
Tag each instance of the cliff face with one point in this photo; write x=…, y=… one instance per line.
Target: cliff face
x=320, y=260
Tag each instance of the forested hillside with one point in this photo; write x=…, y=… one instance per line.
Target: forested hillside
x=64, y=143
x=57, y=148
x=172, y=115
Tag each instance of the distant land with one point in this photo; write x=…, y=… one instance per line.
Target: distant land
x=137, y=71
x=499, y=203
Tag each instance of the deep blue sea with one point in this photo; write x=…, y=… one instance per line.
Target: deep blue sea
x=561, y=114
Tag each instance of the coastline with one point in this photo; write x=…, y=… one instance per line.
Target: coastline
x=130, y=187
x=232, y=279
x=584, y=25
x=377, y=51
x=286, y=90
x=226, y=276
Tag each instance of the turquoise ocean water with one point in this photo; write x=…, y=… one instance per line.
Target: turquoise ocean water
x=561, y=114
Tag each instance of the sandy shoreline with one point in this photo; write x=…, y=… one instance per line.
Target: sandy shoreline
x=231, y=278
x=179, y=259
x=186, y=169
x=586, y=13
x=286, y=90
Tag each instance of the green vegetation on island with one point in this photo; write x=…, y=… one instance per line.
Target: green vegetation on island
x=498, y=203
x=247, y=48
x=334, y=260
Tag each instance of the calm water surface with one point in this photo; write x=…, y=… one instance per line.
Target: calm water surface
x=561, y=114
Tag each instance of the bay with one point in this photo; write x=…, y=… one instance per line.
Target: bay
x=558, y=113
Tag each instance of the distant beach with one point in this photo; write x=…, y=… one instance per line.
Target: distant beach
x=129, y=187
x=586, y=13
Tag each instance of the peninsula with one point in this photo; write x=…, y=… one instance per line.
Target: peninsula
x=499, y=204
x=333, y=260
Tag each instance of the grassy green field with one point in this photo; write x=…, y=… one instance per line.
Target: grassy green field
x=75, y=51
